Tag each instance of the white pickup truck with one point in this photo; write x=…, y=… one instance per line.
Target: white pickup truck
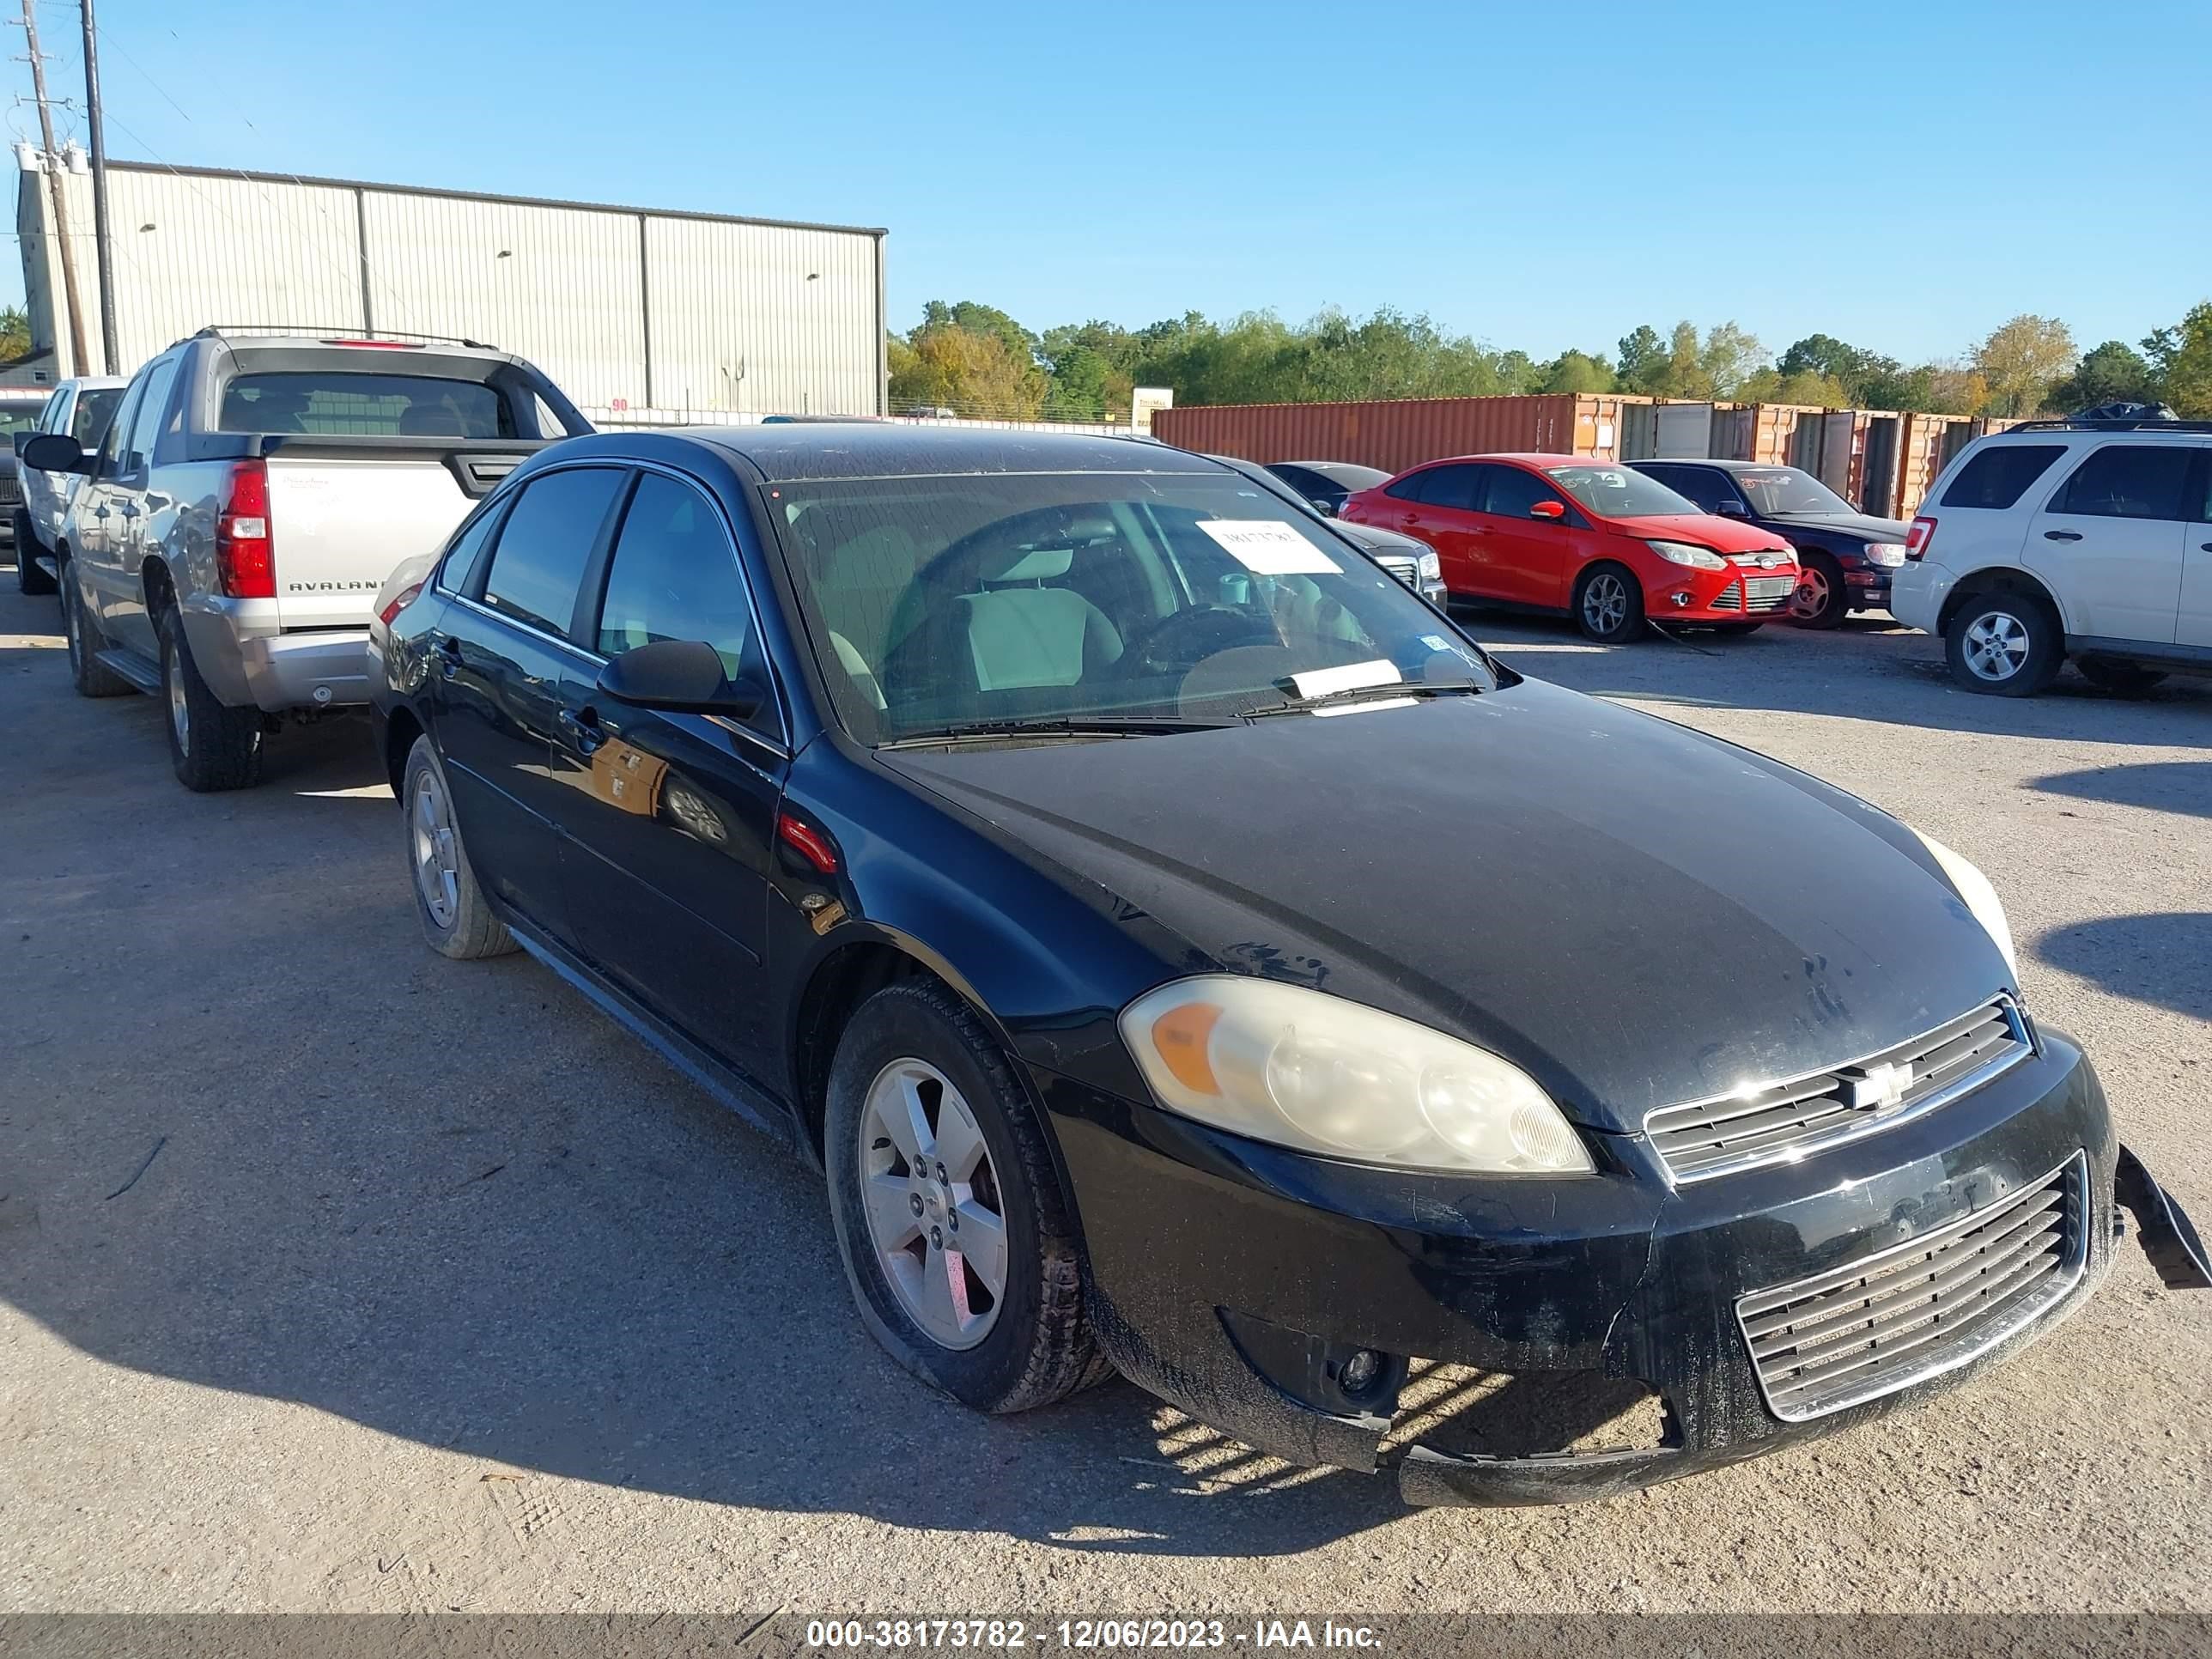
x=250, y=496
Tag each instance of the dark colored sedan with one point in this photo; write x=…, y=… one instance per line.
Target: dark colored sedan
x=994, y=818
x=1326, y=483
x=1845, y=556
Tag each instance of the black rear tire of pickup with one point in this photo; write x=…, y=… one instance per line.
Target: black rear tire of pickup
x=29, y=578
x=449, y=902
x=91, y=678
x=212, y=746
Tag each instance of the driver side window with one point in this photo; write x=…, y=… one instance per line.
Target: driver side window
x=111, y=442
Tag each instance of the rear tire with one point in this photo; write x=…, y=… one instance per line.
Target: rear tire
x=915, y=1044
x=2004, y=645
x=29, y=578
x=1608, y=604
x=1822, y=598
x=212, y=746
x=457, y=919
x=2120, y=679
x=92, y=678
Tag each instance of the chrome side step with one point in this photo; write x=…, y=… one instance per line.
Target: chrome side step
x=127, y=662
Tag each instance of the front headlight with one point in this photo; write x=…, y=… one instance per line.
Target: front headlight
x=1889, y=556
x=1432, y=567
x=1981, y=899
x=1302, y=1069
x=1701, y=558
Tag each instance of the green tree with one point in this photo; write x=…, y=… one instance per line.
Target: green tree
x=1822, y=354
x=1021, y=344
x=2114, y=371
x=1576, y=372
x=943, y=365
x=14, y=333
x=1729, y=356
x=1644, y=362
x=2183, y=357
x=2021, y=360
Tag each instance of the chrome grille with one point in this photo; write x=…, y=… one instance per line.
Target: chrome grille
x=1766, y=1123
x=1769, y=593
x=1925, y=1307
x=1730, y=597
x=1406, y=570
x=11, y=490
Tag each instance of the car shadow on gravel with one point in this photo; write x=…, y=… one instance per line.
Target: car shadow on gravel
x=2180, y=786
x=2163, y=959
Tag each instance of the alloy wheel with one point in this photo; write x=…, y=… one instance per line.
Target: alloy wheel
x=936, y=1220
x=1605, y=603
x=437, y=862
x=181, y=712
x=1997, y=646
x=1811, y=597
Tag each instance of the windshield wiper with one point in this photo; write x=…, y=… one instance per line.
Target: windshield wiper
x=1294, y=704
x=1055, y=725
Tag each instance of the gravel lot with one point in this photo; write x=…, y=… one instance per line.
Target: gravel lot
x=438, y=1292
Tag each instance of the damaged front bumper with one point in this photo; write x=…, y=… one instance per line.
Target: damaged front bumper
x=1526, y=1340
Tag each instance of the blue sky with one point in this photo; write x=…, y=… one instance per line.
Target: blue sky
x=1904, y=176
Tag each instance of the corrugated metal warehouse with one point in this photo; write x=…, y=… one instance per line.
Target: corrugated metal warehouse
x=636, y=313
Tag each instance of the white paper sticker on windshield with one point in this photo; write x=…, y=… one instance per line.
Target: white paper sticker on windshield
x=1326, y=681
x=1267, y=548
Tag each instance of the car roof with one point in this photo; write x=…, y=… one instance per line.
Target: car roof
x=866, y=449
x=1528, y=458
x=1331, y=468
x=1709, y=460
x=2179, y=432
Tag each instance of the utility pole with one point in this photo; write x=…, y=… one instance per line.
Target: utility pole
x=57, y=188
x=100, y=235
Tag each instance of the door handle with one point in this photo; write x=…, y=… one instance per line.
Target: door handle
x=583, y=729
x=2205, y=546
x=2061, y=535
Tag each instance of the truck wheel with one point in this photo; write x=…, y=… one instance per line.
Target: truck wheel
x=961, y=1252
x=86, y=642
x=29, y=578
x=456, y=918
x=2004, y=645
x=1609, y=604
x=212, y=746
x=2120, y=679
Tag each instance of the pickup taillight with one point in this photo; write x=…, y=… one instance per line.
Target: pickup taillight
x=244, y=564
x=1917, y=538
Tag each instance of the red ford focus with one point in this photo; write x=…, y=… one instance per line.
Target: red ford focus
x=1598, y=541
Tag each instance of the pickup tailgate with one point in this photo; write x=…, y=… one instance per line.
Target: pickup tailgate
x=340, y=520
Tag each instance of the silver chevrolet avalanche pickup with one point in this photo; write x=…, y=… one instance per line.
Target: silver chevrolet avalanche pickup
x=224, y=549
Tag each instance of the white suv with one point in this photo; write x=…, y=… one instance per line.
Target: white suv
x=2088, y=539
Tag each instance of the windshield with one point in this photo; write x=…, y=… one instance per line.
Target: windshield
x=1783, y=490
x=365, y=405
x=943, y=605
x=1615, y=492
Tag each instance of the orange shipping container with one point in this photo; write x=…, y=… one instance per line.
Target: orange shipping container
x=1399, y=433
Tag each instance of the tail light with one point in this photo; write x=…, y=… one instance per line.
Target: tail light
x=400, y=601
x=1916, y=539
x=244, y=564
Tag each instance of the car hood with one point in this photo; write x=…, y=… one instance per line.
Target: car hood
x=1376, y=539
x=1850, y=527
x=1637, y=915
x=1706, y=529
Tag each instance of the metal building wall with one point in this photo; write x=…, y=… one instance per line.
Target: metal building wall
x=631, y=310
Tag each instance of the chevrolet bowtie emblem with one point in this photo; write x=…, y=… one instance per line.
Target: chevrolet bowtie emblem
x=1879, y=1088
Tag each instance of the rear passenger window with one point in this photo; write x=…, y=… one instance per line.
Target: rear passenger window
x=1442, y=486
x=468, y=547
x=2129, y=481
x=1997, y=476
x=537, y=568
x=675, y=577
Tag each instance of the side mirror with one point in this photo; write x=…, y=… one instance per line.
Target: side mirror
x=21, y=439
x=1326, y=508
x=53, y=451
x=682, y=677
x=1731, y=509
x=1554, y=511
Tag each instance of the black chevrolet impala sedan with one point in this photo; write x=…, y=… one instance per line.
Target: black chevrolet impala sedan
x=998, y=818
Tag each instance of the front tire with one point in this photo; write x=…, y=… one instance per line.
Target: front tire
x=457, y=919
x=29, y=578
x=1822, y=598
x=92, y=678
x=1609, y=604
x=212, y=746
x=930, y=1135
x=2004, y=645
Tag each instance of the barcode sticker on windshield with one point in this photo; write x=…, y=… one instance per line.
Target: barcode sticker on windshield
x=1267, y=548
